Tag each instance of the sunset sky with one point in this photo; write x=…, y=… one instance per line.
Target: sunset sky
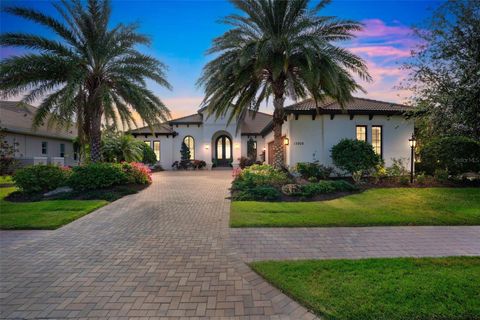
x=183, y=30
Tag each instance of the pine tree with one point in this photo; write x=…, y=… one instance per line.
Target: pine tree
x=185, y=152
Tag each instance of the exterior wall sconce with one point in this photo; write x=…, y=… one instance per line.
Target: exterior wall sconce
x=264, y=149
x=413, y=144
x=207, y=146
x=237, y=146
x=286, y=141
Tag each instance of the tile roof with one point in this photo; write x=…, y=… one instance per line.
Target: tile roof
x=251, y=125
x=356, y=105
x=162, y=128
x=18, y=117
x=193, y=118
x=255, y=125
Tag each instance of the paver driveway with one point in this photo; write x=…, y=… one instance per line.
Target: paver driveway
x=168, y=252
x=162, y=252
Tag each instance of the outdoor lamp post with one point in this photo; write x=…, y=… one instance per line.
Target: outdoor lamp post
x=413, y=143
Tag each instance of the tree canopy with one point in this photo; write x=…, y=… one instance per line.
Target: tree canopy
x=445, y=72
x=93, y=72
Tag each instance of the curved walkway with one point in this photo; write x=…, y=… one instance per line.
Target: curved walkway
x=160, y=253
x=167, y=252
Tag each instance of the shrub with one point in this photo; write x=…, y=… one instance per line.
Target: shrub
x=313, y=170
x=137, y=173
x=247, y=162
x=97, y=176
x=198, y=164
x=148, y=157
x=7, y=154
x=260, y=175
x=291, y=189
x=379, y=172
x=457, y=155
x=259, y=193
x=41, y=178
x=324, y=187
x=355, y=157
x=441, y=175
x=397, y=169
x=404, y=180
x=421, y=178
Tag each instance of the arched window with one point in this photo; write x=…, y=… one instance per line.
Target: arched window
x=190, y=142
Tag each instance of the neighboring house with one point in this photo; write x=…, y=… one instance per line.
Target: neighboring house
x=33, y=146
x=310, y=132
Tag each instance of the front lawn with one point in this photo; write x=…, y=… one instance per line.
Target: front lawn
x=401, y=288
x=49, y=214
x=374, y=207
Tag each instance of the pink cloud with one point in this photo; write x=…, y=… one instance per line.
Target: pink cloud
x=385, y=79
x=381, y=51
x=378, y=28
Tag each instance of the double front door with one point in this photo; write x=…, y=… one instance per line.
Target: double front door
x=223, y=151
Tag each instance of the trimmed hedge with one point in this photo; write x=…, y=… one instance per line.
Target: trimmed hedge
x=260, y=193
x=324, y=187
x=41, y=178
x=97, y=176
x=309, y=170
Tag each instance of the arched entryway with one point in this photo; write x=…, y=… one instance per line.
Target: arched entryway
x=223, y=151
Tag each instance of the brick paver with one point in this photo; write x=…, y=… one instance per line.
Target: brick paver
x=353, y=243
x=161, y=253
x=167, y=252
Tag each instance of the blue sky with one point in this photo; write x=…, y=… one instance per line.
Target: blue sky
x=183, y=30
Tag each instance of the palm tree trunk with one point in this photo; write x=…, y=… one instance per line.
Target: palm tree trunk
x=95, y=136
x=278, y=114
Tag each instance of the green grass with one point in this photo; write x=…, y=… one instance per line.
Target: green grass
x=374, y=207
x=402, y=288
x=42, y=214
x=6, y=180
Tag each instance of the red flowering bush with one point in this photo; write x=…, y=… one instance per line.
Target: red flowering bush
x=137, y=172
x=236, y=173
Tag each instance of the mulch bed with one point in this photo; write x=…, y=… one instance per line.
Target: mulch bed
x=109, y=194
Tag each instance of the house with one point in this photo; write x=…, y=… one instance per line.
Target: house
x=310, y=132
x=34, y=146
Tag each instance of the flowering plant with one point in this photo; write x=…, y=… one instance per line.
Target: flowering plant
x=137, y=172
x=236, y=172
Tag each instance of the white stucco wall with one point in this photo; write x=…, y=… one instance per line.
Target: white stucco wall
x=309, y=140
x=29, y=146
x=313, y=139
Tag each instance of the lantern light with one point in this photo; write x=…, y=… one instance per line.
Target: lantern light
x=286, y=141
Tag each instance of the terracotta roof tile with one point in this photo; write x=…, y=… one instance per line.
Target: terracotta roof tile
x=355, y=105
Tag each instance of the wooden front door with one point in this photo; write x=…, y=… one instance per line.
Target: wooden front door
x=223, y=151
x=270, y=153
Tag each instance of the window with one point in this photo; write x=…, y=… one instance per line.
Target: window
x=44, y=147
x=62, y=150
x=75, y=151
x=190, y=142
x=156, y=149
x=377, y=142
x=252, y=148
x=362, y=133
x=147, y=142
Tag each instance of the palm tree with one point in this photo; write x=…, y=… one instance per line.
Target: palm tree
x=92, y=73
x=279, y=49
